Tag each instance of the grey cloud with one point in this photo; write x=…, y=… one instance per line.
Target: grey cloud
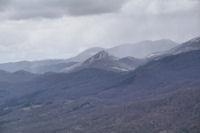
x=4, y=4
x=23, y=9
x=80, y=7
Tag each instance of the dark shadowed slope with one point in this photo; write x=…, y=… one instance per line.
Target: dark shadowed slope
x=19, y=76
x=59, y=86
x=161, y=96
x=159, y=76
x=175, y=112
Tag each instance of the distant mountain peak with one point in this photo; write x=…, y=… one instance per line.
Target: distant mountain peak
x=104, y=60
x=101, y=56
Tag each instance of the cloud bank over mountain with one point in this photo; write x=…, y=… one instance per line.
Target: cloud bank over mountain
x=43, y=29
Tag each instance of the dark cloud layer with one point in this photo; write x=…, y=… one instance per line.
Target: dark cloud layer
x=80, y=7
x=4, y=4
x=23, y=9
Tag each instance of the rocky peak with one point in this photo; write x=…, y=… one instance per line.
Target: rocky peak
x=102, y=55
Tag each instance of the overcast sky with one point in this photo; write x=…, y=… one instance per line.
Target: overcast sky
x=41, y=29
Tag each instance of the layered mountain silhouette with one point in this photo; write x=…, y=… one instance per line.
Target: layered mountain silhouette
x=161, y=95
x=137, y=50
x=19, y=76
x=48, y=65
x=104, y=60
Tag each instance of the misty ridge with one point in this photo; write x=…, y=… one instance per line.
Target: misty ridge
x=105, y=66
x=129, y=55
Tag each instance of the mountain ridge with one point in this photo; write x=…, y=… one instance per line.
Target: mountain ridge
x=58, y=65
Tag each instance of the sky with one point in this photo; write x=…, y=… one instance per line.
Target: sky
x=50, y=29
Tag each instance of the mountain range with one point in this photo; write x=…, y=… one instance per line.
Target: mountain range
x=137, y=50
x=157, y=95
